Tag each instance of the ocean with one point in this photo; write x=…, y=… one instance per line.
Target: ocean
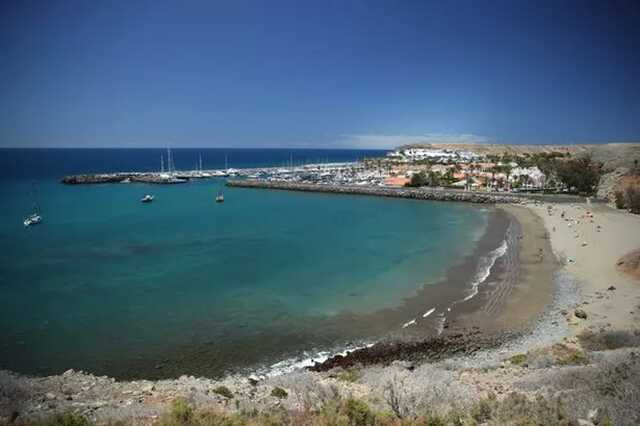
x=266, y=280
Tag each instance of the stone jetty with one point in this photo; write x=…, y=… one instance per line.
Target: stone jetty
x=424, y=193
x=414, y=193
x=89, y=179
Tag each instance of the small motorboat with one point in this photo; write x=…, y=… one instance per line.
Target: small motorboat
x=147, y=198
x=32, y=219
x=220, y=197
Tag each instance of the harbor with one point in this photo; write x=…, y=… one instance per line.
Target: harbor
x=345, y=172
x=435, y=174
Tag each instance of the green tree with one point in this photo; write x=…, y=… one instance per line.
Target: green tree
x=580, y=175
x=418, y=179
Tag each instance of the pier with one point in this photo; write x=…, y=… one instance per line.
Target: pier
x=182, y=176
x=424, y=193
x=92, y=179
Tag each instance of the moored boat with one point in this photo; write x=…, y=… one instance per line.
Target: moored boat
x=32, y=219
x=147, y=198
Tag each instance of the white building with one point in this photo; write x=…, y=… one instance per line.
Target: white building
x=536, y=177
x=417, y=154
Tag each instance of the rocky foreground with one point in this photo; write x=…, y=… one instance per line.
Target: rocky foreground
x=595, y=379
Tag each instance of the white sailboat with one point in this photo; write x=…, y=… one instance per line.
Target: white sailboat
x=220, y=197
x=34, y=218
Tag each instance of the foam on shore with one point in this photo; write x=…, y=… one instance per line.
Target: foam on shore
x=307, y=359
x=484, y=268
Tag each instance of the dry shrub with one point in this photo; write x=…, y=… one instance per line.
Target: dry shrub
x=609, y=340
x=632, y=199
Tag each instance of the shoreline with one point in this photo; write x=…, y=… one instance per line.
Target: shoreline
x=327, y=335
x=507, y=304
x=580, y=276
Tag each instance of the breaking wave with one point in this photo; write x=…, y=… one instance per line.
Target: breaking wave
x=484, y=268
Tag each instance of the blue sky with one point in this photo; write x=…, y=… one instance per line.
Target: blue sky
x=317, y=74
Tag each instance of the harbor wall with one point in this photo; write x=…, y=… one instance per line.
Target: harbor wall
x=432, y=194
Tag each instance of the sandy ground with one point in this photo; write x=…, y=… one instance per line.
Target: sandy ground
x=591, y=239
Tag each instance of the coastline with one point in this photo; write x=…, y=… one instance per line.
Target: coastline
x=569, y=275
x=506, y=303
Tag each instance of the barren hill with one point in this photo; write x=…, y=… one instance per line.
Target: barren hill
x=613, y=155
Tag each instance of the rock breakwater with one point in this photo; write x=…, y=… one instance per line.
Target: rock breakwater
x=89, y=179
x=414, y=193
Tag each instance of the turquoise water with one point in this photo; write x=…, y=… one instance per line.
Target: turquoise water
x=113, y=286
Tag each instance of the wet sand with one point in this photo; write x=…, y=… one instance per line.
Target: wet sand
x=522, y=284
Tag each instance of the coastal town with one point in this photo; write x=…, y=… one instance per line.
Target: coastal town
x=528, y=170
x=449, y=168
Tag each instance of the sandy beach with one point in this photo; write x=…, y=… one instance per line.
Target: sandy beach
x=589, y=240
x=521, y=287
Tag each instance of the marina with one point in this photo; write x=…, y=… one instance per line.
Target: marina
x=347, y=172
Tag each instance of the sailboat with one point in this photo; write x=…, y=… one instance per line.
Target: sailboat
x=220, y=197
x=34, y=218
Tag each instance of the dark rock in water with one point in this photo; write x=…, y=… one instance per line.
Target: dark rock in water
x=611, y=288
x=411, y=352
x=580, y=314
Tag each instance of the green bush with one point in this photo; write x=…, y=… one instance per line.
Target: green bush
x=224, y=391
x=180, y=413
x=358, y=413
x=518, y=359
x=481, y=412
x=278, y=392
x=417, y=180
x=351, y=375
x=62, y=419
x=572, y=357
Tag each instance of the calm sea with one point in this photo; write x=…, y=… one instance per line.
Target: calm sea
x=187, y=286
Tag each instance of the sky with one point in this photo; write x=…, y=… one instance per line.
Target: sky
x=321, y=74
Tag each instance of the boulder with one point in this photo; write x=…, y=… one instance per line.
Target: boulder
x=580, y=313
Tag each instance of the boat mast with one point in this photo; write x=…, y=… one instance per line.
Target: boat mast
x=36, y=210
x=200, y=162
x=170, y=165
x=161, y=164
